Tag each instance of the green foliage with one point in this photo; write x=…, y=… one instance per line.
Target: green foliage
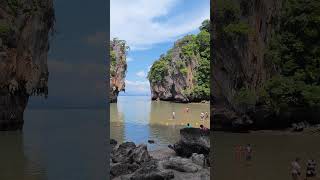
x=113, y=59
x=193, y=48
x=205, y=26
x=203, y=44
x=14, y=5
x=295, y=50
x=246, y=98
x=158, y=71
x=4, y=29
x=197, y=93
x=229, y=22
x=228, y=11
x=237, y=29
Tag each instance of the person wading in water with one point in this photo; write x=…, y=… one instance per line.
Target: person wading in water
x=311, y=169
x=173, y=115
x=295, y=169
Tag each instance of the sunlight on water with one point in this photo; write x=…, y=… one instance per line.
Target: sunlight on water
x=138, y=119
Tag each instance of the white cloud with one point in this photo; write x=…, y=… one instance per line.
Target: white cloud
x=138, y=86
x=129, y=59
x=141, y=74
x=136, y=21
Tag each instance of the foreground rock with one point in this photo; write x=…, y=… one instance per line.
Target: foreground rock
x=24, y=43
x=133, y=162
x=192, y=140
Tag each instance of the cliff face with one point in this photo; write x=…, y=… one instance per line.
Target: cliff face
x=182, y=75
x=24, y=43
x=175, y=82
x=118, y=68
x=266, y=66
x=242, y=30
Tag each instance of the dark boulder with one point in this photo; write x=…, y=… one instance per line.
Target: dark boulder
x=192, y=140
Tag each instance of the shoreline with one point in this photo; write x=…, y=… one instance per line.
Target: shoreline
x=314, y=130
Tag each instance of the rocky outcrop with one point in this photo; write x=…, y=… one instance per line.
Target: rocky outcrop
x=239, y=56
x=24, y=42
x=192, y=140
x=129, y=161
x=175, y=82
x=182, y=75
x=118, y=68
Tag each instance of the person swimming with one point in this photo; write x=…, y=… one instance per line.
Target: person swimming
x=189, y=125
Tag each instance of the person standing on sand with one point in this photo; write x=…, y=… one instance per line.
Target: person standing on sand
x=187, y=109
x=295, y=169
x=206, y=116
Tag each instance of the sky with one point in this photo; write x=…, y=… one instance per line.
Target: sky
x=150, y=28
x=77, y=59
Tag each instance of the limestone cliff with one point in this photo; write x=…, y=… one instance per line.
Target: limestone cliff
x=182, y=75
x=118, y=68
x=239, y=53
x=24, y=42
x=243, y=33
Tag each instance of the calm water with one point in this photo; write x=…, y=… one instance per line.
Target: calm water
x=56, y=145
x=272, y=155
x=138, y=119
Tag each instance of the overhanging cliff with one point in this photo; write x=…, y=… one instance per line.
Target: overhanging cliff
x=24, y=42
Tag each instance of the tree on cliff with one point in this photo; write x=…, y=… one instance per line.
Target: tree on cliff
x=295, y=50
x=192, y=49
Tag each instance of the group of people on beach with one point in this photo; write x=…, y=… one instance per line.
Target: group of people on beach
x=203, y=116
x=296, y=169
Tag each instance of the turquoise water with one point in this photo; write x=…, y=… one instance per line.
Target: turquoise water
x=138, y=119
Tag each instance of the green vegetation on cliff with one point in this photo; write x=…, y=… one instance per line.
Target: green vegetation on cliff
x=228, y=16
x=193, y=49
x=295, y=50
x=122, y=48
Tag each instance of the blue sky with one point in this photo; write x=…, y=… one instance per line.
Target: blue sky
x=150, y=28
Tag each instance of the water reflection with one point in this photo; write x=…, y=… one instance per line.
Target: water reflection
x=138, y=119
x=15, y=165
